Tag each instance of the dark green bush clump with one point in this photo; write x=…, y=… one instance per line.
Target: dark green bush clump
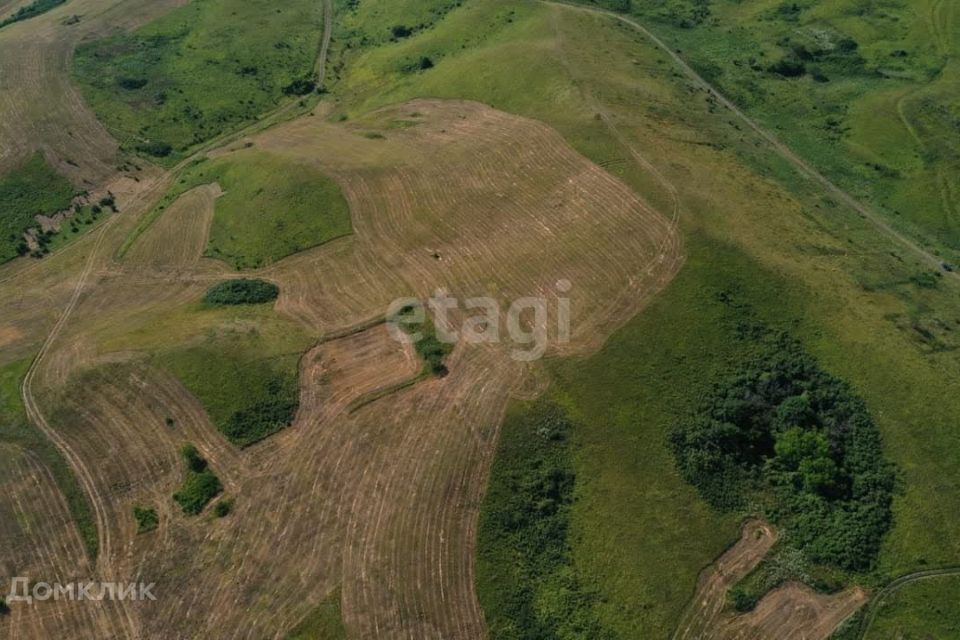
x=741, y=600
x=782, y=433
x=223, y=508
x=201, y=485
x=242, y=291
x=4, y=607
x=401, y=31
x=788, y=68
x=132, y=84
x=155, y=149
x=431, y=349
x=147, y=519
x=300, y=87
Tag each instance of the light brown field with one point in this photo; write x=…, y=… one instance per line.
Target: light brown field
x=380, y=502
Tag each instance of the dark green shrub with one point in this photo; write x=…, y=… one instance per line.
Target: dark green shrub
x=242, y=291
x=155, y=149
x=4, y=607
x=788, y=68
x=741, y=600
x=200, y=486
x=132, y=84
x=197, y=491
x=146, y=517
x=194, y=461
x=223, y=508
x=300, y=87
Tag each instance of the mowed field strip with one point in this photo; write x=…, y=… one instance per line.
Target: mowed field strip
x=381, y=502
x=792, y=611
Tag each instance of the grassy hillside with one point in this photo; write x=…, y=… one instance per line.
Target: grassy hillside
x=202, y=69
x=31, y=189
x=245, y=371
x=862, y=89
x=870, y=315
x=271, y=209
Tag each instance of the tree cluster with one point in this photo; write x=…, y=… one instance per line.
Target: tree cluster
x=782, y=434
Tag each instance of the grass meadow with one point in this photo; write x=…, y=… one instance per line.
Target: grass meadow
x=873, y=107
x=919, y=610
x=202, y=69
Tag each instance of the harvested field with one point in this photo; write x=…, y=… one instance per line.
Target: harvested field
x=796, y=612
x=380, y=502
x=178, y=238
x=42, y=543
x=519, y=213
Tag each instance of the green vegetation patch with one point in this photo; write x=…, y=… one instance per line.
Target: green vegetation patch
x=862, y=90
x=200, y=486
x=526, y=579
x=146, y=517
x=29, y=190
x=919, y=610
x=249, y=390
x=324, y=622
x=35, y=8
x=241, y=291
x=781, y=432
x=432, y=350
x=223, y=508
x=202, y=69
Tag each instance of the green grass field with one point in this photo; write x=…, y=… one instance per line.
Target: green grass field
x=31, y=189
x=245, y=372
x=204, y=68
x=919, y=611
x=271, y=208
